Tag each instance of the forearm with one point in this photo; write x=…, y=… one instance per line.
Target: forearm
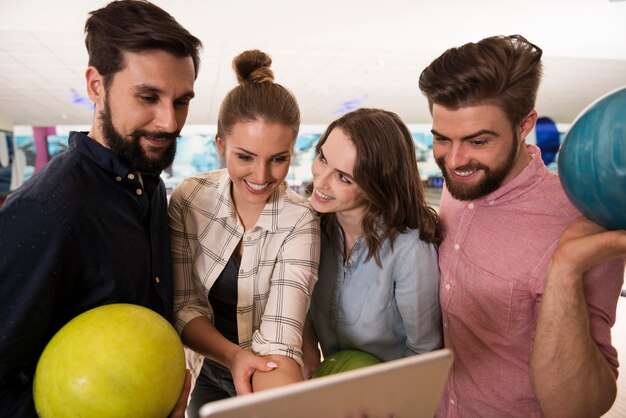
x=309, y=337
x=569, y=373
x=310, y=348
x=202, y=337
x=288, y=371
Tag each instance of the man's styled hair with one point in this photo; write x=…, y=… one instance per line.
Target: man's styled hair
x=504, y=71
x=134, y=26
x=386, y=171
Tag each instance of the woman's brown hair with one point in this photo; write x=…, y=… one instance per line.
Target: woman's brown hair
x=386, y=171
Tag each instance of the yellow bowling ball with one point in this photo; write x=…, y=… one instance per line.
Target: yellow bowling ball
x=118, y=360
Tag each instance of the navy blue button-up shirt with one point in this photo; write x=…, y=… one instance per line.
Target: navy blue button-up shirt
x=81, y=233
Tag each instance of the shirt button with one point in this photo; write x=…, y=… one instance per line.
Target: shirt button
x=139, y=192
x=452, y=401
x=118, y=178
x=447, y=286
x=457, y=246
x=248, y=237
x=241, y=271
x=157, y=279
x=131, y=176
x=445, y=325
x=471, y=206
x=493, y=202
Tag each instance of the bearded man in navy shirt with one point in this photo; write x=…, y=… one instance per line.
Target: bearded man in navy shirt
x=91, y=227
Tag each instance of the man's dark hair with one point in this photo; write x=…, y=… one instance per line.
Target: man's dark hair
x=134, y=26
x=501, y=70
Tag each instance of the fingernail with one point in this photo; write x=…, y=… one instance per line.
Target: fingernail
x=271, y=364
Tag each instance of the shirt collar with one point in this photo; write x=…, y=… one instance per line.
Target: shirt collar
x=102, y=156
x=528, y=178
x=227, y=209
x=359, y=246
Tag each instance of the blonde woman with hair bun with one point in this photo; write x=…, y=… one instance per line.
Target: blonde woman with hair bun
x=245, y=246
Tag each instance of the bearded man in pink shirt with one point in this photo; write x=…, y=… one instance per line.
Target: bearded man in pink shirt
x=527, y=316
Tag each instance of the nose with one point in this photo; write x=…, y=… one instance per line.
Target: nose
x=456, y=156
x=261, y=172
x=165, y=118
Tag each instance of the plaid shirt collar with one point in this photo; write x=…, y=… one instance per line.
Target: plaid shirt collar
x=269, y=219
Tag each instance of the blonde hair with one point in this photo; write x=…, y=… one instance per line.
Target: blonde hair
x=257, y=97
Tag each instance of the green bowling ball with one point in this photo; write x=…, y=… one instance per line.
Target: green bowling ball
x=343, y=361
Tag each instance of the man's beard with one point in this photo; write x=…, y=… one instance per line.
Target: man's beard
x=491, y=181
x=129, y=151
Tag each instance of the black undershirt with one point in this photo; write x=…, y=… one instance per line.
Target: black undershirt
x=223, y=300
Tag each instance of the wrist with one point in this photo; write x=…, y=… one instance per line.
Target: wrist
x=310, y=348
x=564, y=273
x=230, y=356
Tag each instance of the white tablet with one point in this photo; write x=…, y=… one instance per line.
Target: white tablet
x=408, y=387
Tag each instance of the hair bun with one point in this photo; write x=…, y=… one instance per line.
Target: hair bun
x=253, y=67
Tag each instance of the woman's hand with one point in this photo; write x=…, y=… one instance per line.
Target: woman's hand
x=287, y=371
x=310, y=348
x=311, y=359
x=243, y=367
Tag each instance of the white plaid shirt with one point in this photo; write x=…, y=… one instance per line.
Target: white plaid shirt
x=279, y=265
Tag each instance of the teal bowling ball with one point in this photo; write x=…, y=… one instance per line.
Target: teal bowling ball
x=592, y=161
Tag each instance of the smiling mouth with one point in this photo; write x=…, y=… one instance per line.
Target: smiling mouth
x=157, y=141
x=463, y=173
x=256, y=187
x=322, y=195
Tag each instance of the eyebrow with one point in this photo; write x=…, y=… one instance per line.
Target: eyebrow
x=146, y=88
x=337, y=170
x=271, y=156
x=470, y=136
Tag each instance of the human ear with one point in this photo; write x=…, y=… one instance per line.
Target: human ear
x=95, y=85
x=221, y=145
x=528, y=124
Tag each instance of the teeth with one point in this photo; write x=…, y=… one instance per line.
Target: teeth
x=257, y=187
x=463, y=173
x=322, y=195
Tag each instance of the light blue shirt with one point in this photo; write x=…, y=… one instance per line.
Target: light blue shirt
x=389, y=312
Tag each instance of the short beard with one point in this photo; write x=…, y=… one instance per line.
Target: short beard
x=490, y=183
x=129, y=151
